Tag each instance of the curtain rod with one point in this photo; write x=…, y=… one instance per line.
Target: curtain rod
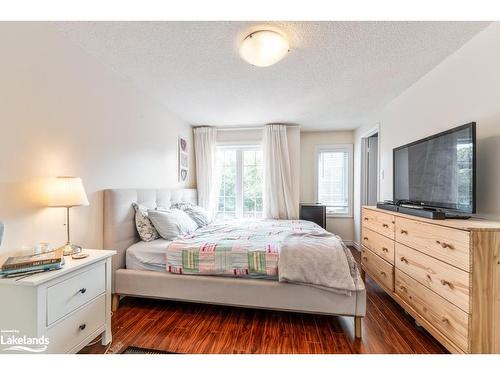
x=223, y=129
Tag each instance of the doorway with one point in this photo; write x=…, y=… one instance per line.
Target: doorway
x=370, y=167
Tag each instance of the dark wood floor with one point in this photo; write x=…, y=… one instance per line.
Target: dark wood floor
x=195, y=328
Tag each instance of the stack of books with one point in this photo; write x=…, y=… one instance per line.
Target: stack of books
x=24, y=265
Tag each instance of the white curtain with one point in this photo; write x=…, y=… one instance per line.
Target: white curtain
x=205, y=140
x=278, y=192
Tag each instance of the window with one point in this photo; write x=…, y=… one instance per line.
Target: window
x=240, y=192
x=334, y=179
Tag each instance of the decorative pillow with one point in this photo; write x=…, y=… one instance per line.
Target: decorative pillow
x=145, y=228
x=199, y=215
x=173, y=223
x=181, y=205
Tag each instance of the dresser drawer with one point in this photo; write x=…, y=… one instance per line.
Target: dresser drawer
x=380, y=245
x=444, y=316
x=379, y=222
x=447, y=244
x=449, y=282
x=72, y=330
x=70, y=294
x=379, y=269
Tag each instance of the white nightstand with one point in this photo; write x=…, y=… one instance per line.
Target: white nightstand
x=63, y=310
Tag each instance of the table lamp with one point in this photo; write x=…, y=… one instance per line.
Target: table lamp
x=68, y=192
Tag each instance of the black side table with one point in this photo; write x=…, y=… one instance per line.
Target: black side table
x=314, y=212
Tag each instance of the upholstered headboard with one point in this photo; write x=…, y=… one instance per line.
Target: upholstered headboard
x=119, y=224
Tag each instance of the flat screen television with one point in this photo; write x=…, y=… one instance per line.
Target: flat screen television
x=438, y=171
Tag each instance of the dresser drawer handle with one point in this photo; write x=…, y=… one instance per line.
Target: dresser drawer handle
x=365, y=238
x=404, y=231
x=82, y=327
x=365, y=258
x=383, y=273
x=444, y=245
x=403, y=288
x=403, y=259
x=83, y=290
x=444, y=282
x=385, y=249
x=445, y=320
x=365, y=219
x=385, y=225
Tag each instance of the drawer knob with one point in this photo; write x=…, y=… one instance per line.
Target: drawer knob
x=444, y=245
x=385, y=249
x=445, y=320
x=383, y=273
x=444, y=282
x=365, y=219
x=385, y=225
x=83, y=290
x=403, y=231
x=82, y=327
x=365, y=238
x=403, y=288
x=403, y=259
x=365, y=258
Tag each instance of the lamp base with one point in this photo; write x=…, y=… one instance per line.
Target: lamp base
x=70, y=249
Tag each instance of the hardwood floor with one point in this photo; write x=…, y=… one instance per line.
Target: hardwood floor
x=196, y=329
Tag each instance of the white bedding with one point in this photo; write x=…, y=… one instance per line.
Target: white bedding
x=149, y=256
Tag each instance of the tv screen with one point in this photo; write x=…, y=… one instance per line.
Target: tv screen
x=438, y=171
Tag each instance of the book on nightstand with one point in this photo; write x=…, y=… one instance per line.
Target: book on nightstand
x=33, y=263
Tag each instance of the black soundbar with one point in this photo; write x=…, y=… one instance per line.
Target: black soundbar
x=429, y=213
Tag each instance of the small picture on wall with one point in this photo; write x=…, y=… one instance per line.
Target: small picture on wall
x=183, y=160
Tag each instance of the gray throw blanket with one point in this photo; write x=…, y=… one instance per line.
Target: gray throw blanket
x=319, y=259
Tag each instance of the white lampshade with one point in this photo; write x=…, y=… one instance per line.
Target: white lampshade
x=264, y=48
x=67, y=192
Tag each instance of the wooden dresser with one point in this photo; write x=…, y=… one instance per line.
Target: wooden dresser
x=445, y=273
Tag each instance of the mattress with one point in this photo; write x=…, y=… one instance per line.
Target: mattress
x=147, y=256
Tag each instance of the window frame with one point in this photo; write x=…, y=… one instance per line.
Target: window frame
x=239, y=147
x=349, y=149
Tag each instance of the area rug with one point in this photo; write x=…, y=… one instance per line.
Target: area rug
x=137, y=350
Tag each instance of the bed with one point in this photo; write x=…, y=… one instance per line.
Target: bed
x=138, y=270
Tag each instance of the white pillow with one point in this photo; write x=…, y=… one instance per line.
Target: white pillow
x=172, y=223
x=199, y=215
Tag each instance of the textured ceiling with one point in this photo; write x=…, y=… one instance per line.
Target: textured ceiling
x=336, y=74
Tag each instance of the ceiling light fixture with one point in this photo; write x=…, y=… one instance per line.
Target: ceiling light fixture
x=264, y=48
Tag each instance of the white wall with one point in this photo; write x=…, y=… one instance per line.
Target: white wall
x=465, y=87
x=64, y=113
x=344, y=227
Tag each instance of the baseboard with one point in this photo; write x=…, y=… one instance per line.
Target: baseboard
x=352, y=243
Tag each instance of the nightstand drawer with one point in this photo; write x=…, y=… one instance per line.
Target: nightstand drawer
x=72, y=293
x=71, y=331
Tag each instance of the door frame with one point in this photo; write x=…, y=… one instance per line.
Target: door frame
x=364, y=162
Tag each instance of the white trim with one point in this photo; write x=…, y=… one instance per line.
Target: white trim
x=351, y=243
x=349, y=147
x=363, y=171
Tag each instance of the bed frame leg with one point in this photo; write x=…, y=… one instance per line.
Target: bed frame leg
x=357, y=326
x=115, y=302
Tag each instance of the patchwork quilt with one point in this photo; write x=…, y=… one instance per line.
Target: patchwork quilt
x=238, y=248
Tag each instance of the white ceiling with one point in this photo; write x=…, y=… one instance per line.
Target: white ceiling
x=336, y=74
